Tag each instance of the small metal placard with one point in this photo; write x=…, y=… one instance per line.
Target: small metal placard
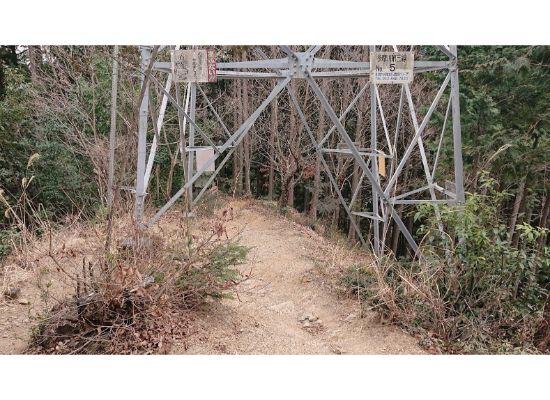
x=194, y=65
x=391, y=67
x=203, y=156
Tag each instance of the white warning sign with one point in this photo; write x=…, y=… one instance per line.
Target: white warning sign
x=391, y=67
x=194, y=65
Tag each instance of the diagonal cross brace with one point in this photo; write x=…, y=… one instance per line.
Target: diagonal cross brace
x=425, y=164
x=235, y=139
x=325, y=165
x=375, y=185
x=214, y=111
x=350, y=106
x=418, y=133
x=158, y=126
x=182, y=111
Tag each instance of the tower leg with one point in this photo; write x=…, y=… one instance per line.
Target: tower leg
x=457, y=134
x=374, y=167
x=142, y=138
x=190, y=159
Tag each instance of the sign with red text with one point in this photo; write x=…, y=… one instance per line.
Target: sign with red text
x=197, y=65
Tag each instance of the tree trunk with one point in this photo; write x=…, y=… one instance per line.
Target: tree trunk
x=522, y=192
x=238, y=155
x=317, y=178
x=35, y=61
x=290, y=189
x=314, y=205
x=285, y=185
x=543, y=221
x=272, y=137
x=524, y=200
x=542, y=336
x=410, y=225
x=157, y=177
x=339, y=177
x=8, y=56
x=357, y=171
x=306, y=201
x=359, y=138
x=515, y=211
x=396, y=231
x=292, y=162
x=477, y=158
x=475, y=172
x=291, y=185
x=336, y=218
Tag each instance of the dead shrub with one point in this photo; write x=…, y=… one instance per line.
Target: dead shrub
x=137, y=299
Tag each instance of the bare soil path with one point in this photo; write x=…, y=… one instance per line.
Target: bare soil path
x=289, y=304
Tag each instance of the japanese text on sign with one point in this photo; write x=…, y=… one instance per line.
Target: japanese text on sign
x=391, y=67
x=194, y=65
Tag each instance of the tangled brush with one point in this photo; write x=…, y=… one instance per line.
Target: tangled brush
x=137, y=300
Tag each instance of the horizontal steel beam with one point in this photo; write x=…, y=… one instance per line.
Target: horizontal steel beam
x=403, y=195
x=366, y=214
x=251, y=74
x=321, y=68
x=275, y=63
x=195, y=148
x=361, y=151
x=445, y=191
x=427, y=201
x=338, y=64
x=283, y=63
x=354, y=73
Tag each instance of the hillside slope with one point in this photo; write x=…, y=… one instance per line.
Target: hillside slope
x=288, y=303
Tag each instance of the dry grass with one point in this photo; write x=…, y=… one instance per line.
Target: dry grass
x=429, y=300
x=135, y=298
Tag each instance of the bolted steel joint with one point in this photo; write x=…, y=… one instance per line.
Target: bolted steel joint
x=453, y=65
x=300, y=65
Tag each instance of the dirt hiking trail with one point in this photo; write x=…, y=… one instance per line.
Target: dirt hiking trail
x=289, y=305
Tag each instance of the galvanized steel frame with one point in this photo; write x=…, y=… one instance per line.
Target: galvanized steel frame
x=304, y=65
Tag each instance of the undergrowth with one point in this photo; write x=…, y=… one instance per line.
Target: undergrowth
x=132, y=297
x=137, y=298
x=470, y=292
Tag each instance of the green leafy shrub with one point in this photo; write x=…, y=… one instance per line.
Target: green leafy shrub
x=216, y=274
x=15, y=148
x=63, y=181
x=471, y=292
x=6, y=237
x=360, y=281
x=60, y=178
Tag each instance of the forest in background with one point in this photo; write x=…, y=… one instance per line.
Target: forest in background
x=55, y=111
